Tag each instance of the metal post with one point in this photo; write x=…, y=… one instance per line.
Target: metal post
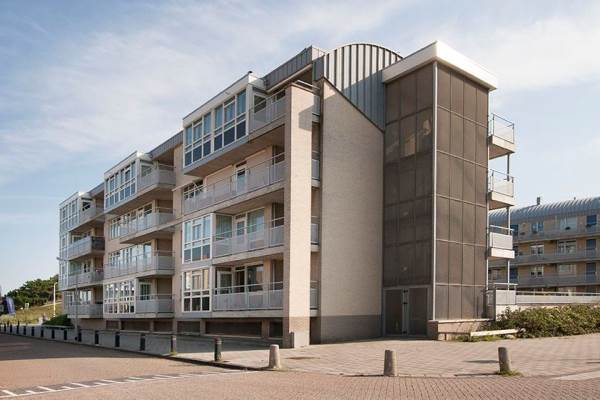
x=218, y=348
x=173, y=344
x=508, y=221
x=54, y=300
x=389, y=363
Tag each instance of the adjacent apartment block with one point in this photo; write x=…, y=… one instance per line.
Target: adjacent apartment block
x=556, y=247
x=342, y=195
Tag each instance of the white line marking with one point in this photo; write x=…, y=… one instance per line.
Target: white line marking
x=163, y=376
x=100, y=383
x=31, y=392
x=79, y=384
x=8, y=392
x=109, y=381
x=47, y=388
x=136, y=378
x=67, y=388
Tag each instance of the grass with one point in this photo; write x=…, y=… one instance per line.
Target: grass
x=31, y=316
x=466, y=338
x=509, y=373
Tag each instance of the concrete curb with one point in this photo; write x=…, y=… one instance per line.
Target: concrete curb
x=188, y=360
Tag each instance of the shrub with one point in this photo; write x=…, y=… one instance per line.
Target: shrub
x=59, y=320
x=557, y=321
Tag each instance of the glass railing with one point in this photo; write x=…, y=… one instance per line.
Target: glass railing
x=156, y=218
x=500, y=237
x=144, y=263
x=260, y=296
x=501, y=183
x=501, y=128
x=80, y=279
x=254, y=237
x=84, y=246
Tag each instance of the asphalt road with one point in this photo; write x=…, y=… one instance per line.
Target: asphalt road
x=54, y=370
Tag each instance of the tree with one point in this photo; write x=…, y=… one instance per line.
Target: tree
x=37, y=292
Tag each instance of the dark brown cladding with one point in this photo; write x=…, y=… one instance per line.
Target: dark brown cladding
x=461, y=196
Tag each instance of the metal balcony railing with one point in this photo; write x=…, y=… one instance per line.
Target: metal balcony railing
x=558, y=233
x=80, y=309
x=558, y=280
x=83, y=216
x=500, y=237
x=84, y=246
x=254, y=237
x=316, y=166
x=256, y=177
x=144, y=263
x=501, y=128
x=267, y=111
x=314, y=231
x=143, y=304
x=161, y=174
x=501, y=183
x=80, y=279
x=156, y=218
x=575, y=255
x=261, y=296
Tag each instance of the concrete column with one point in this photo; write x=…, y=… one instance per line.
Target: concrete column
x=264, y=329
x=297, y=195
x=202, y=327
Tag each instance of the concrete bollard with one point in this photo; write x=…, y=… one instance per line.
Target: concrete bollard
x=504, y=360
x=173, y=344
x=274, y=358
x=389, y=363
x=218, y=348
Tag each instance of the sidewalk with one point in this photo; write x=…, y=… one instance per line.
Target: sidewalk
x=531, y=357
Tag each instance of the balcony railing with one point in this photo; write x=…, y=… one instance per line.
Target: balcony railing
x=255, y=237
x=267, y=111
x=144, y=304
x=263, y=296
x=557, y=257
x=500, y=237
x=161, y=174
x=80, y=279
x=502, y=128
x=85, y=246
x=84, y=216
x=558, y=233
x=314, y=231
x=501, y=183
x=256, y=177
x=152, y=220
x=558, y=280
x=316, y=166
x=144, y=263
x=80, y=309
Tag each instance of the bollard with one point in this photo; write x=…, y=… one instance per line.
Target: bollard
x=33, y=331
x=173, y=344
x=117, y=339
x=389, y=363
x=52, y=335
x=65, y=333
x=79, y=334
x=10, y=328
x=218, y=348
x=143, y=342
x=41, y=331
x=96, y=337
x=274, y=358
x=504, y=360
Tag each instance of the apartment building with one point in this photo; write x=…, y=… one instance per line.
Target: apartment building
x=555, y=246
x=342, y=195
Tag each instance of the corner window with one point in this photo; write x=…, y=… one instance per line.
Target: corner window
x=196, y=239
x=196, y=290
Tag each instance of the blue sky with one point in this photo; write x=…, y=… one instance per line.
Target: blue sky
x=84, y=83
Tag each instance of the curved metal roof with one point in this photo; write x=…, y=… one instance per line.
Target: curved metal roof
x=567, y=208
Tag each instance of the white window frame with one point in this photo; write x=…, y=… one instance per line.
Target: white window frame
x=189, y=291
x=188, y=241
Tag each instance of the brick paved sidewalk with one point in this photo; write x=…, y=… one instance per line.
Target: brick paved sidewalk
x=531, y=357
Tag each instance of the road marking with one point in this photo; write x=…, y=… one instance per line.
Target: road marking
x=78, y=384
x=109, y=381
x=580, y=377
x=46, y=388
x=8, y=392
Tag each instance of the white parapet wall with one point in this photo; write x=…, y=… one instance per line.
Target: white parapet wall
x=512, y=299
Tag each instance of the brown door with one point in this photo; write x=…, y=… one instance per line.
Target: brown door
x=394, y=305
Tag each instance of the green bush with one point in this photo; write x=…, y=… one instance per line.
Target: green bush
x=558, y=321
x=59, y=320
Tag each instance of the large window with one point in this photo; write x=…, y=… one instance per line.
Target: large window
x=591, y=220
x=192, y=190
x=120, y=185
x=139, y=254
x=537, y=270
x=537, y=226
x=537, y=249
x=219, y=128
x=567, y=269
x=567, y=246
x=69, y=215
x=119, y=297
x=567, y=223
x=196, y=239
x=116, y=224
x=196, y=290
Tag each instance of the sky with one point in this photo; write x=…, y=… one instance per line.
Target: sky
x=85, y=83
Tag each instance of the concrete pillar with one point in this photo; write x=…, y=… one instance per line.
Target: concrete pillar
x=203, y=327
x=274, y=357
x=264, y=329
x=389, y=364
x=297, y=195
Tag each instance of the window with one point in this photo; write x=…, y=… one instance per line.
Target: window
x=120, y=186
x=569, y=223
x=192, y=190
x=119, y=225
x=196, y=239
x=537, y=249
x=196, y=290
x=567, y=246
x=140, y=254
x=590, y=269
x=537, y=270
x=566, y=269
x=590, y=244
x=537, y=226
x=591, y=220
x=514, y=275
x=515, y=229
x=119, y=297
x=69, y=215
x=203, y=138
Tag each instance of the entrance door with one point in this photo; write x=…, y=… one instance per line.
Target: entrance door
x=224, y=281
x=396, y=312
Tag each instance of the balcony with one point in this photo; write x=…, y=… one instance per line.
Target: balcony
x=268, y=296
x=257, y=237
x=501, y=137
x=157, y=263
x=314, y=231
x=501, y=190
x=89, y=245
x=554, y=234
x=93, y=216
x=83, y=310
x=558, y=280
x=263, y=175
x=157, y=183
x=315, y=167
x=145, y=306
x=81, y=280
x=558, y=257
x=500, y=243
x=265, y=128
x=155, y=225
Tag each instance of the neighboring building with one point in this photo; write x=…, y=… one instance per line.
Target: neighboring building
x=556, y=247
x=267, y=215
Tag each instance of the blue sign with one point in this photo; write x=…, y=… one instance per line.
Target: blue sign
x=10, y=305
